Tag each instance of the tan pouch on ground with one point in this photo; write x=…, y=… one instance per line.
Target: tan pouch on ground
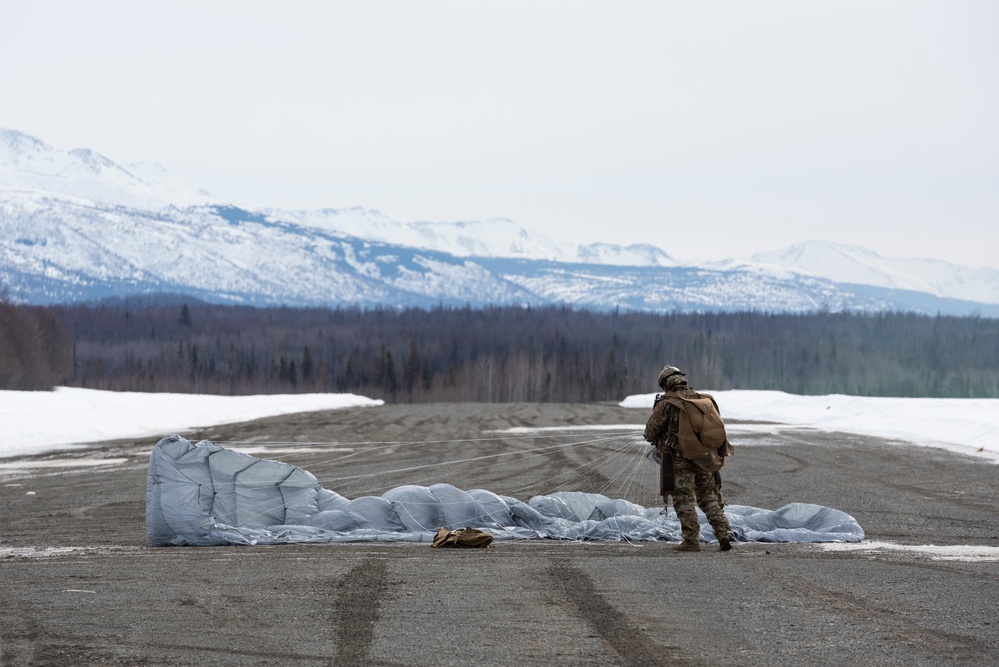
x=462, y=538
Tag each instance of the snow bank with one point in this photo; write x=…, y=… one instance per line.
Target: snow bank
x=66, y=418
x=35, y=421
x=965, y=425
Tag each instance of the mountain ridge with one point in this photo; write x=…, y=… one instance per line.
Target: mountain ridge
x=74, y=226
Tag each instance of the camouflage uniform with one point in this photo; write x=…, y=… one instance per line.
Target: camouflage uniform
x=691, y=483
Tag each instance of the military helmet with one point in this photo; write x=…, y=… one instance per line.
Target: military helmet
x=668, y=372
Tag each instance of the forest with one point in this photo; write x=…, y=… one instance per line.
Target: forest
x=36, y=353
x=506, y=354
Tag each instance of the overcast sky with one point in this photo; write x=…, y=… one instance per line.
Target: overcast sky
x=711, y=129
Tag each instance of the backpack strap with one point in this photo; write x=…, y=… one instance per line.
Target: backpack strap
x=675, y=401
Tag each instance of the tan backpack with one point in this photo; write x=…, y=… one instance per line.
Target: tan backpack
x=468, y=538
x=701, y=436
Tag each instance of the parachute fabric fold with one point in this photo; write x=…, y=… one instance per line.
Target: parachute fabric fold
x=204, y=495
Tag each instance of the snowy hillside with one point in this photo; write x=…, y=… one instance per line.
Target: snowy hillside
x=641, y=254
x=74, y=225
x=496, y=237
x=220, y=254
x=28, y=163
x=488, y=238
x=856, y=265
x=58, y=249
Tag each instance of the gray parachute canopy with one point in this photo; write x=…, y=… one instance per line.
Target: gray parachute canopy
x=204, y=495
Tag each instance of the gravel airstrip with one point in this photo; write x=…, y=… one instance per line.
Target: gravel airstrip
x=80, y=586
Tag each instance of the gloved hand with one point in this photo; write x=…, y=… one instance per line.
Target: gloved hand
x=655, y=455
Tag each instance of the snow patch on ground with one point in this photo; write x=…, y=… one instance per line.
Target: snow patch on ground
x=963, y=425
x=67, y=418
x=958, y=552
x=56, y=552
x=61, y=463
x=38, y=421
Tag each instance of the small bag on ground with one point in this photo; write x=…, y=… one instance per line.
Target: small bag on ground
x=464, y=538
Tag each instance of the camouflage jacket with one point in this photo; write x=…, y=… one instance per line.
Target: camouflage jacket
x=664, y=423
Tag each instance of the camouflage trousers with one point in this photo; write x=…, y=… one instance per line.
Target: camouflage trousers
x=693, y=485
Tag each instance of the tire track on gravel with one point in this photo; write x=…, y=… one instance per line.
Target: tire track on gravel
x=954, y=498
x=358, y=598
x=607, y=622
x=21, y=637
x=966, y=649
x=801, y=464
x=25, y=640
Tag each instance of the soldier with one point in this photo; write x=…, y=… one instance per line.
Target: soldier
x=690, y=483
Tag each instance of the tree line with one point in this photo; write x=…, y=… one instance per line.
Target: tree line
x=36, y=353
x=511, y=354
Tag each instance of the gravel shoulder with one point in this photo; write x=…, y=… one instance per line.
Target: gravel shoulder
x=80, y=586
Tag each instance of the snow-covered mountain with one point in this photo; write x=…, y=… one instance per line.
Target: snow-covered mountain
x=28, y=163
x=76, y=226
x=857, y=265
x=496, y=237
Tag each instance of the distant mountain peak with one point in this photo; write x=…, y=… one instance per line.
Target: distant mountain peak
x=862, y=266
x=95, y=161
x=76, y=225
x=19, y=141
x=639, y=254
x=31, y=164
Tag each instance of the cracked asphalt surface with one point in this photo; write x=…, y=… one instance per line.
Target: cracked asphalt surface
x=79, y=585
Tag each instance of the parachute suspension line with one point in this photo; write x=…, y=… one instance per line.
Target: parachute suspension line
x=608, y=455
x=621, y=471
x=647, y=480
x=604, y=470
x=646, y=492
x=633, y=486
x=599, y=466
x=283, y=502
x=613, y=478
x=338, y=459
x=587, y=466
x=605, y=460
x=386, y=447
x=535, y=451
x=393, y=443
x=539, y=455
x=632, y=473
x=650, y=484
x=524, y=454
x=390, y=445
